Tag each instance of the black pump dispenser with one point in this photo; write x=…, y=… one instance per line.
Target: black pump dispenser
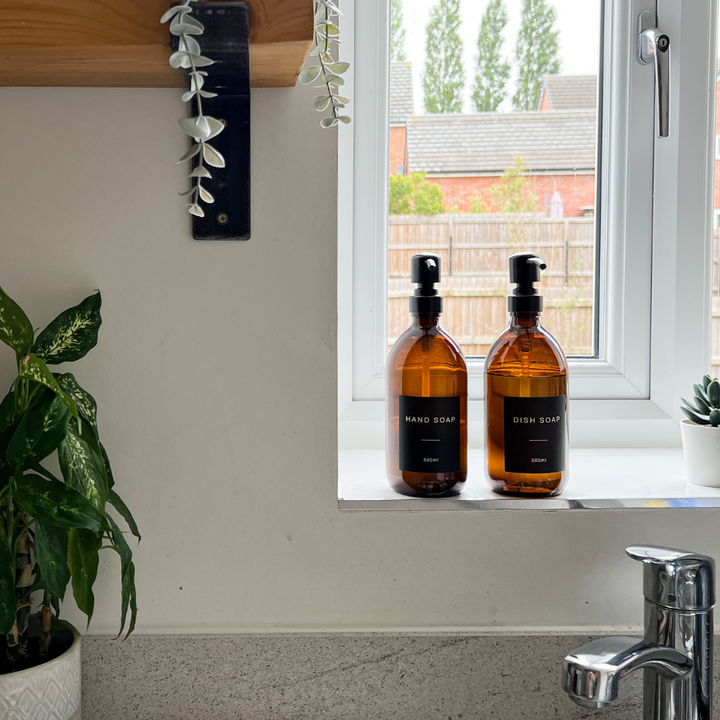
x=425, y=271
x=525, y=270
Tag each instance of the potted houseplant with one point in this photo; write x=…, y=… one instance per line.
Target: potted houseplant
x=53, y=522
x=701, y=433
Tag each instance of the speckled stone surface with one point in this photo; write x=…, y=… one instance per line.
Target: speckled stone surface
x=340, y=677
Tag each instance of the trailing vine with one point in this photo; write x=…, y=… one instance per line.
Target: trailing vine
x=329, y=70
x=200, y=127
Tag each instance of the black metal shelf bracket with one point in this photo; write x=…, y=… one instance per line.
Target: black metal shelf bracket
x=226, y=40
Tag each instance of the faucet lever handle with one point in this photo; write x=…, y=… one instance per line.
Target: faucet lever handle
x=676, y=579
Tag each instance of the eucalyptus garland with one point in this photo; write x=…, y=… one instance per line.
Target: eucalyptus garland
x=201, y=127
x=329, y=71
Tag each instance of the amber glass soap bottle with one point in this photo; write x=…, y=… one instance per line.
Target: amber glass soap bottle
x=426, y=397
x=526, y=442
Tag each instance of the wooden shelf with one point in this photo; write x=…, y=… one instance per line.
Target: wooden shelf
x=121, y=43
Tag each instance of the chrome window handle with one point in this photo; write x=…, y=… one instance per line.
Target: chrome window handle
x=654, y=48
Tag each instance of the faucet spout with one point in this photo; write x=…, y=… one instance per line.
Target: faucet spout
x=591, y=674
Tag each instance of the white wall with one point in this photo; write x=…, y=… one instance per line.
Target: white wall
x=215, y=377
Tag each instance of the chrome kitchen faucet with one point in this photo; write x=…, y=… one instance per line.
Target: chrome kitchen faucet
x=676, y=652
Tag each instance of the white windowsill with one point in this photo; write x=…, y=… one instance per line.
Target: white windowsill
x=599, y=478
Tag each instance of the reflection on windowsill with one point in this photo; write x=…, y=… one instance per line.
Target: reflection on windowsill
x=628, y=478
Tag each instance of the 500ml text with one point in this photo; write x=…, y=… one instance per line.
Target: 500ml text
x=541, y=420
x=413, y=419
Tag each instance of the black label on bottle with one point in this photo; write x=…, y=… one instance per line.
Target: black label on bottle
x=429, y=434
x=535, y=434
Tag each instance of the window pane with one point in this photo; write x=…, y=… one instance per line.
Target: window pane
x=493, y=135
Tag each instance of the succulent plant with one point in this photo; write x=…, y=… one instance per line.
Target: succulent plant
x=706, y=408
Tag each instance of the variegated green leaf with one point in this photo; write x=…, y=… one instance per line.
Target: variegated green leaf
x=85, y=402
x=72, y=334
x=39, y=433
x=8, y=600
x=34, y=368
x=83, y=547
x=15, y=329
x=7, y=411
x=51, y=556
x=129, y=595
x=56, y=504
x=108, y=469
x=82, y=464
x=122, y=508
x=127, y=574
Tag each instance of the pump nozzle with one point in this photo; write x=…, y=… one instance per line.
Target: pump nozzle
x=525, y=270
x=425, y=271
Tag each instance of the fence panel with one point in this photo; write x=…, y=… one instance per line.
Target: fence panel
x=474, y=251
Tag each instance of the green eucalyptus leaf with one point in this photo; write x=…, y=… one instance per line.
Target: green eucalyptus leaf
x=213, y=157
x=83, y=548
x=51, y=544
x=56, y=503
x=84, y=401
x=329, y=122
x=191, y=153
x=82, y=464
x=122, y=508
x=39, y=433
x=321, y=102
x=338, y=68
x=695, y=417
x=331, y=79
x=309, y=75
x=344, y=119
x=34, y=368
x=341, y=99
x=72, y=334
x=15, y=329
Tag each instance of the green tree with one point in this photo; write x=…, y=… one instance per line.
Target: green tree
x=444, y=77
x=536, y=52
x=511, y=194
x=414, y=195
x=492, y=72
x=397, y=32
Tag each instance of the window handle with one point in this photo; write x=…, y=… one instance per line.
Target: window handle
x=654, y=48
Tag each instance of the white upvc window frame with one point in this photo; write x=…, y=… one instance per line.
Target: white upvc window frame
x=655, y=218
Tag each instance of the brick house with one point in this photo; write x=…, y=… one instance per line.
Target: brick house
x=466, y=154
x=401, y=108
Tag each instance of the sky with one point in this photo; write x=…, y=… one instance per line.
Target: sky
x=578, y=22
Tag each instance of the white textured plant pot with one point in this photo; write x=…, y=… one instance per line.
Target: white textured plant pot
x=701, y=446
x=50, y=691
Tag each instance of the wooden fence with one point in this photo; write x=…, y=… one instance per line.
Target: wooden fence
x=474, y=251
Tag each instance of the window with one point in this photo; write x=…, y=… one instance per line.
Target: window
x=651, y=335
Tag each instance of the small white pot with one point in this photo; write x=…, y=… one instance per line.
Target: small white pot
x=50, y=691
x=701, y=446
